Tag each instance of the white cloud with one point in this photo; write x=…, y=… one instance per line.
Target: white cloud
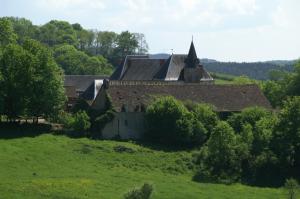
x=241, y=30
x=287, y=14
x=71, y=4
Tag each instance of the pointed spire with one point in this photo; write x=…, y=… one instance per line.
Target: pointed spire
x=192, y=61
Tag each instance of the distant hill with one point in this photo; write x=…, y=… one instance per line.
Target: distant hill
x=254, y=70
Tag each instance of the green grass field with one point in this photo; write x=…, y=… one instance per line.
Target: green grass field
x=59, y=167
x=221, y=78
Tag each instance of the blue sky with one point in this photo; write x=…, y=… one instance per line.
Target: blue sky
x=227, y=30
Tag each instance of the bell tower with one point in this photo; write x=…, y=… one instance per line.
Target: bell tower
x=192, y=71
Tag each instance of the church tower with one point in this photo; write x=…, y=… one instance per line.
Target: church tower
x=193, y=70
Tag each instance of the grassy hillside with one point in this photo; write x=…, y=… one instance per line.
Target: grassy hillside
x=51, y=166
x=221, y=78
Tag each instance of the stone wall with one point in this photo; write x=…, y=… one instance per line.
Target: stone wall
x=192, y=75
x=125, y=125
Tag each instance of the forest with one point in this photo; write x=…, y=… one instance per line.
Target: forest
x=254, y=70
x=76, y=50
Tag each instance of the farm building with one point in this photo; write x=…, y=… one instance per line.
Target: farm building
x=140, y=79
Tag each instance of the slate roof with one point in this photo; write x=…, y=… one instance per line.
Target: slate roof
x=81, y=82
x=144, y=68
x=175, y=67
x=121, y=69
x=223, y=97
x=91, y=92
x=192, y=61
x=141, y=69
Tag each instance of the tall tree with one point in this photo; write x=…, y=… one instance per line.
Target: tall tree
x=58, y=32
x=47, y=95
x=7, y=34
x=105, y=43
x=221, y=158
x=23, y=28
x=77, y=62
x=286, y=142
x=126, y=44
x=16, y=65
x=85, y=38
x=142, y=43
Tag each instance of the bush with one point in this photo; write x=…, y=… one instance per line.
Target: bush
x=286, y=138
x=64, y=118
x=140, y=193
x=248, y=115
x=291, y=185
x=220, y=160
x=204, y=113
x=169, y=122
x=81, y=121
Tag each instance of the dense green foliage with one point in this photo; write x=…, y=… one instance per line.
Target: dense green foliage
x=170, y=122
x=256, y=70
x=286, y=142
x=81, y=122
x=47, y=167
x=220, y=159
x=76, y=62
x=32, y=83
x=77, y=50
x=282, y=86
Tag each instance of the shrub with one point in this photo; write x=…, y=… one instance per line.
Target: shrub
x=205, y=114
x=143, y=192
x=220, y=160
x=248, y=115
x=291, y=185
x=81, y=122
x=64, y=118
x=169, y=122
x=286, y=138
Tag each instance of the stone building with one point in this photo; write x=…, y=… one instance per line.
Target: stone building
x=82, y=86
x=139, y=79
x=184, y=68
x=130, y=100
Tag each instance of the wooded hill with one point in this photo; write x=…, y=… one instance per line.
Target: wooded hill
x=80, y=51
x=255, y=70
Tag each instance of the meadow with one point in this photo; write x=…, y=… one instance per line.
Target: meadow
x=55, y=166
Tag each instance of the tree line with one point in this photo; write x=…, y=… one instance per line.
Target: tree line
x=80, y=51
x=256, y=146
x=255, y=70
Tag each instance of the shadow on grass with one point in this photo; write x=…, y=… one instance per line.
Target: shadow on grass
x=11, y=130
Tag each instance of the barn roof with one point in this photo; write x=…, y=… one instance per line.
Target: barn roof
x=82, y=82
x=145, y=68
x=141, y=69
x=223, y=97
